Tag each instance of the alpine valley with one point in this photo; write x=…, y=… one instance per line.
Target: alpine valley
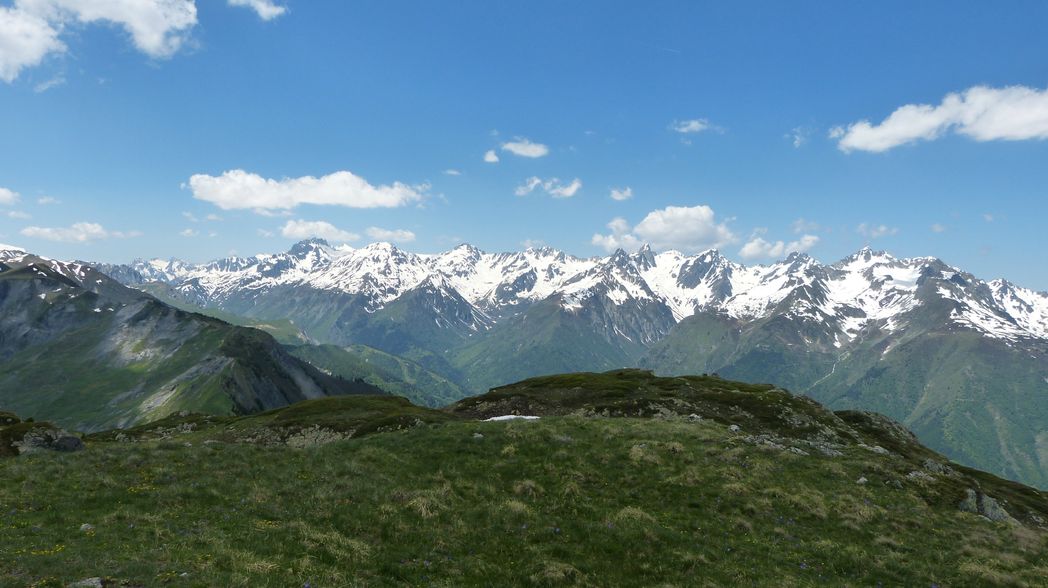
x=960, y=361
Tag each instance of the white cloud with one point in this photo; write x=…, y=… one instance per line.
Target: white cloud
x=799, y=136
x=621, y=194
x=238, y=189
x=9, y=197
x=528, y=186
x=158, y=28
x=25, y=40
x=54, y=82
x=452, y=172
x=302, y=229
x=394, y=235
x=525, y=148
x=490, y=156
x=77, y=233
x=46, y=200
x=30, y=29
x=526, y=243
x=265, y=9
x=988, y=217
x=683, y=228
x=189, y=216
x=876, y=231
x=558, y=190
x=265, y=233
x=189, y=233
x=802, y=225
x=1012, y=113
x=18, y=214
x=695, y=125
x=758, y=247
x=553, y=186
x=212, y=217
x=619, y=238
x=938, y=228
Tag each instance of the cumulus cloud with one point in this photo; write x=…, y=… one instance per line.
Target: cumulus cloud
x=238, y=189
x=621, y=194
x=759, y=248
x=695, y=125
x=684, y=228
x=619, y=238
x=25, y=40
x=394, y=235
x=82, y=232
x=47, y=200
x=18, y=214
x=876, y=231
x=525, y=148
x=553, y=186
x=31, y=30
x=938, y=228
x=189, y=233
x=981, y=113
x=452, y=172
x=302, y=229
x=490, y=156
x=265, y=9
x=9, y=197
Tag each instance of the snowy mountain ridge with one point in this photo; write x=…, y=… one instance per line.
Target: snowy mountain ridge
x=869, y=289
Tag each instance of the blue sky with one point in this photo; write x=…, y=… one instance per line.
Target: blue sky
x=117, y=137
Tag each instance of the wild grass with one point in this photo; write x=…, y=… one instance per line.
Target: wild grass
x=576, y=501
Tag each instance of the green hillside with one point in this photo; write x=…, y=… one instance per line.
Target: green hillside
x=627, y=480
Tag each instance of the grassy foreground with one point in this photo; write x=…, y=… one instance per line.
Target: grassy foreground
x=565, y=500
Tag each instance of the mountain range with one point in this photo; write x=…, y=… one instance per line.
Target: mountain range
x=84, y=350
x=959, y=360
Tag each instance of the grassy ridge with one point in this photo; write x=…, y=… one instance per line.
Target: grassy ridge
x=558, y=502
x=376, y=491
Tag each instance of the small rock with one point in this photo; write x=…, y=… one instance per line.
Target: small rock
x=875, y=449
x=798, y=451
x=734, y=428
x=86, y=528
x=68, y=444
x=87, y=583
x=919, y=475
x=862, y=480
x=478, y=435
x=937, y=468
x=829, y=451
x=981, y=504
x=694, y=417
